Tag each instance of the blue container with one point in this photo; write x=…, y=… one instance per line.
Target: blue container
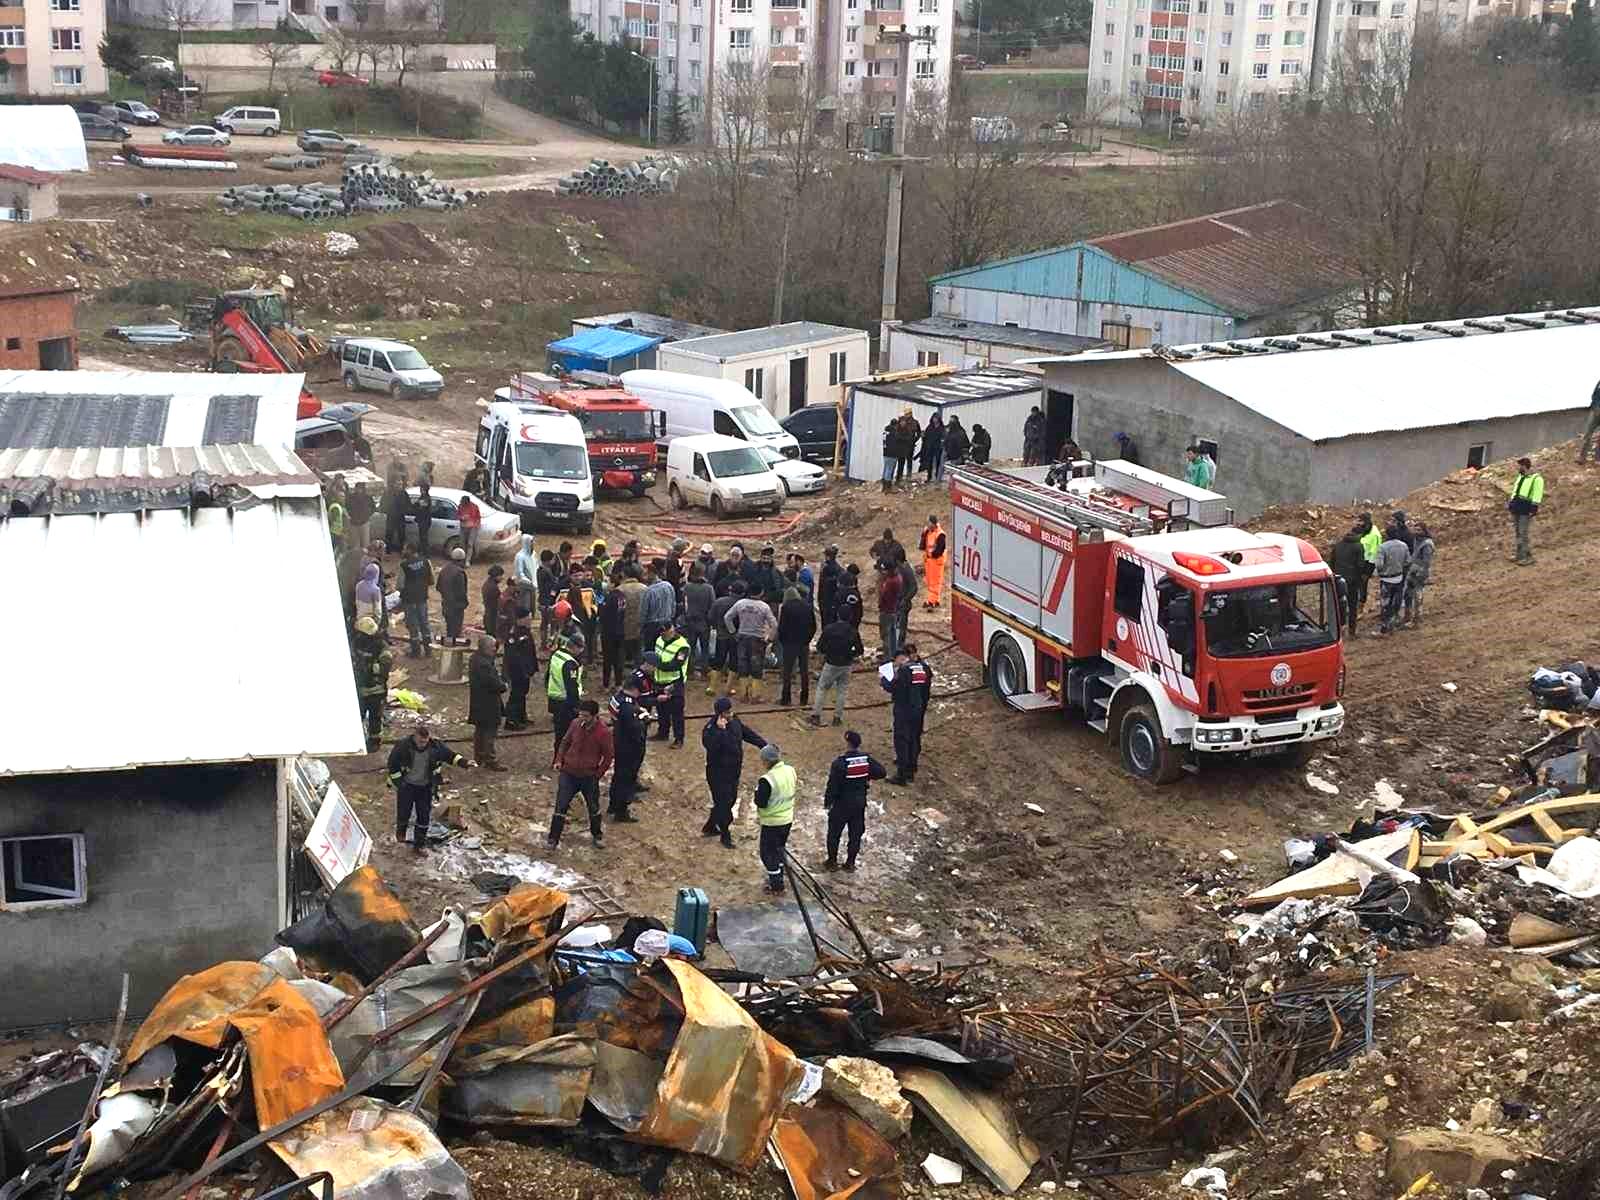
x=692, y=918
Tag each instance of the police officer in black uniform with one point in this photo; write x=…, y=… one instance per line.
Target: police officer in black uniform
x=629, y=727
x=845, y=799
x=909, y=688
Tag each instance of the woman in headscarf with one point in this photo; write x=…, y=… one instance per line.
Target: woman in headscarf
x=932, y=456
x=369, y=596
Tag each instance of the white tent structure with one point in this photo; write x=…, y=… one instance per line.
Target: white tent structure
x=46, y=137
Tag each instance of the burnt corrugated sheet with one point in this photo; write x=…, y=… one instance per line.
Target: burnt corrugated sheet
x=230, y=420
x=36, y=422
x=1249, y=261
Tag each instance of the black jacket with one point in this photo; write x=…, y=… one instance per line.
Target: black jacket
x=849, y=778
x=522, y=655
x=908, y=584
x=361, y=507
x=828, y=585
x=440, y=756
x=850, y=600
x=956, y=443
x=1348, y=559
x=415, y=576
x=453, y=587
x=485, y=688
x=981, y=444
x=725, y=747
x=629, y=725
x=612, y=611
x=797, y=623
x=491, y=604
x=840, y=644
x=726, y=573
x=766, y=583
x=911, y=688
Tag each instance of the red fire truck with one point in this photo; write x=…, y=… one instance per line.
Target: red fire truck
x=620, y=428
x=1125, y=596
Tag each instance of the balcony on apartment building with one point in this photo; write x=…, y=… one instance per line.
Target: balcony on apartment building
x=886, y=12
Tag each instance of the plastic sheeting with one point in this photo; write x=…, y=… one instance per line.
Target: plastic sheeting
x=374, y=1151
x=523, y=1085
x=46, y=137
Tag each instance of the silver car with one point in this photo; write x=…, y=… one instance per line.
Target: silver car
x=326, y=140
x=497, y=532
x=196, y=135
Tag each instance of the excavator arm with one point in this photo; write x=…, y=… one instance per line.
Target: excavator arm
x=237, y=344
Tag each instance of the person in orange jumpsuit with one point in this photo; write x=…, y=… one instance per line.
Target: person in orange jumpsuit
x=935, y=548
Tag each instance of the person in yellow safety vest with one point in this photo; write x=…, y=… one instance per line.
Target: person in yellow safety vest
x=775, y=811
x=935, y=552
x=1370, y=540
x=602, y=559
x=563, y=684
x=672, y=668
x=1526, y=496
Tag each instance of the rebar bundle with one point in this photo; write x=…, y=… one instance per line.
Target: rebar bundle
x=651, y=176
x=364, y=187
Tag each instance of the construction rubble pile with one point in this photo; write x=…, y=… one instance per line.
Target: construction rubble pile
x=644, y=177
x=364, y=187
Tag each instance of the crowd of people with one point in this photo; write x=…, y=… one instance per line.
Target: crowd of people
x=908, y=446
x=657, y=624
x=1400, y=558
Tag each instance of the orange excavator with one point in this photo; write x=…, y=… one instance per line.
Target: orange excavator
x=251, y=331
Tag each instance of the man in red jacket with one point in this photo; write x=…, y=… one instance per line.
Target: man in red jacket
x=889, y=589
x=583, y=756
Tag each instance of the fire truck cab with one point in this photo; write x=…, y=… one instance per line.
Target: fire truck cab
x=620, y=429
x=1123, y=595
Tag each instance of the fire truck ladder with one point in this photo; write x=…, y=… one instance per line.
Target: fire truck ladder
x=1084, y=512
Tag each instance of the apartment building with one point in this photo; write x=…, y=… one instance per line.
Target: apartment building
x=691, y=41
x=52, y=47
x=1153, y=60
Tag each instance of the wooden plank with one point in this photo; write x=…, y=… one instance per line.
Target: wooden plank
x=1547, y=826
x=1338, y=874
x=1530, y=930
x=1552, y=807
x=980, y=1124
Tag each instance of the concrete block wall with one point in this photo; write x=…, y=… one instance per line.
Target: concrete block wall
x=183, y=869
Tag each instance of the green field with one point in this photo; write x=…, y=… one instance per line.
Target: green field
x=1029, y=90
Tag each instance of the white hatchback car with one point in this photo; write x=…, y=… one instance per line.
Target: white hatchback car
x=797, y=476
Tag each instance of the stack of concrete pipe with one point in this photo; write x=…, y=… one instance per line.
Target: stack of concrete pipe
x=364, y=187
x=644, y=177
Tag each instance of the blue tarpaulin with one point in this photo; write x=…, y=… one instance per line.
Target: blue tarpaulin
x=610, y=350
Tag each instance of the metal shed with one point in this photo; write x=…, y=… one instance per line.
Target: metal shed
x=997, y=398
x=610, y=350
x=785, y=366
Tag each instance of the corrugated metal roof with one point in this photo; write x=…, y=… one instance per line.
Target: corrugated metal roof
x=767, y=339
x=25, y=174
x=1356, y=381
x=201, y=634
x=1242, y=263
x=668, y=329
x=129, y=478
x=41, y=409
x=1002, y=335
x=1251, y=261
x=958, y=387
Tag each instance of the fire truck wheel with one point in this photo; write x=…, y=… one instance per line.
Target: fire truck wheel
x=1145, y=752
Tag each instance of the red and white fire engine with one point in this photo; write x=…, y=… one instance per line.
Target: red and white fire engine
x=1124, y=595
x=621, y=430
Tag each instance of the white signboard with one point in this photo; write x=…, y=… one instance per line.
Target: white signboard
x=338, y=842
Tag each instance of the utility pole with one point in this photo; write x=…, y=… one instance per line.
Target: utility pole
x=897, y=186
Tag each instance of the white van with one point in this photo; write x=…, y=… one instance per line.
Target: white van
x=724, y=474
x=379, y=365
x=694, y=404
x=249, y=119
x=538, y=463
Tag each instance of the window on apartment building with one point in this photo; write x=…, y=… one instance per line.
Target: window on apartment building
x=616, y=28
x=1227, y=37
x=1222, y=95
x=1398, y=8
x=672, y=31
x=1158, y=33
x=927, y=6
x=1294, y=37
x=1304, y=9
x=1198, y=37
x=1289, y=68
x=1138, y=31
x=753, y=378
x=1177, y=34
x=1338, y=9
x=1133, y=87
x=849, y=66
x=1200, y=7
x=1258, y=70
x=1263, y=41
x=776, y=34
x=12, y=38
x=850, y=32
x=799, y=34
x=738, y=39
x=671, y=67
x=1264, y=11
x=67, y=76
x=694, y=104
x=652, y=29
x=741, y=6
x=1111, y=29
x=929, y=34
x=694, y=68
x=1138, y=60
x=694, y=34
x=1197, y=64
x=1222, y=67
x=586, y=22
x=927, y=358
x=1107, y=58
x=42, y=870
x=1179, y=6
x=1338, y=39
x=635, y=27
x=65, y=5
x=1258, y=99
x=924, y=68
x=1194, y=93
x=1105, y=86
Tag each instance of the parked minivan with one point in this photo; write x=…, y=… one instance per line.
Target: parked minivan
x=379, y=365
x=538, y=463
x=247, y=119
x=724, y=474
x=694, y=404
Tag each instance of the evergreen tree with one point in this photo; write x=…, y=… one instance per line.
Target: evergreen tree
x=120, y=52
x=1580, y=48
x=674, y=121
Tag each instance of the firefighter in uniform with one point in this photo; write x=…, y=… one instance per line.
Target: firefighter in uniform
x=563, y=683
x=845, y=800
x=672, y=669
x=908, y=690
x=775, y=811
x=629, y=727
x=372, y=661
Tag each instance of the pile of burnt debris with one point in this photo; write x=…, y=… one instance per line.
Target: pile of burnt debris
x=334, y=1063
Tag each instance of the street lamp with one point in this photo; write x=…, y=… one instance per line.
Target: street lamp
x=650, y=100
x=979, y=55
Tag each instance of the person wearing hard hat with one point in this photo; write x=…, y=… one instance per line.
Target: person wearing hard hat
x=370, y=656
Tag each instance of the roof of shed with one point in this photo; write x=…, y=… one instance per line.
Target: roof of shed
x=1246, y=262
x=44, y=409
x=225, y=640
x=20, y=174
x=1003, y=335
x=668, y=329
x=1351, y=382
x=768, y=338
x=956, y=387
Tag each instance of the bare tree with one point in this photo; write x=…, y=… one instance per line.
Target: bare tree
x=794, y=136
x=182, y=16
x=339, y=48
x=739, y=124
x=271, y=48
